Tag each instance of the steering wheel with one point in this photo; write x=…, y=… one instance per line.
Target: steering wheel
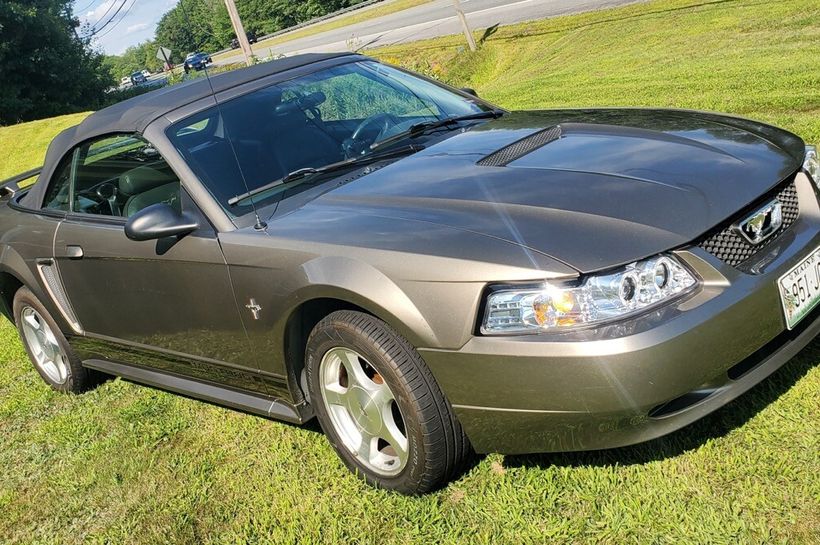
x=370, y=130
x=108, y=192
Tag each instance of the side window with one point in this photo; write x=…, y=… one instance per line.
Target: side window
x=58, y=196
x=120, y=175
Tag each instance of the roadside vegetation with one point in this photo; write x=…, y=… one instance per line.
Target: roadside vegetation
x=204, y=25
x=47, y=67
x=365, y=14
x=752, y=58
x=128, y=464
x=24, y=146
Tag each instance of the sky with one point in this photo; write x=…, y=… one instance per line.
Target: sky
x=135, y=22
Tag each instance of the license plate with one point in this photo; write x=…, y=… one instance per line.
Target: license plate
x=800, y=289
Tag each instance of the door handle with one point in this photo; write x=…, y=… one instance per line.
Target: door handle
x=74, y=252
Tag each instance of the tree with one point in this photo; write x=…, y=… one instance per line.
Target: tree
x=47, y=68
x=135, y=58
x=207, y=26
x=193, y=25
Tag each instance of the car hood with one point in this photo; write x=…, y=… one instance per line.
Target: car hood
x=602, y=188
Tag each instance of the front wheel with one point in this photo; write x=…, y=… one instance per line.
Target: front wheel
x=380, y=406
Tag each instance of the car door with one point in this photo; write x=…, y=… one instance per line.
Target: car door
x=166, y=303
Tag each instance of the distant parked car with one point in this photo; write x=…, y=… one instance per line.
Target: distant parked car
x=138, y=78
x=251, y=35
x=197, y=61
x=146, y=73
x=125, y=80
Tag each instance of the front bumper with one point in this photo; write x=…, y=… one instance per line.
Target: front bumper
x=633, y=382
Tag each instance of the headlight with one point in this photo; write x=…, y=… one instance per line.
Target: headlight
x=597, y=299
x=811, y=165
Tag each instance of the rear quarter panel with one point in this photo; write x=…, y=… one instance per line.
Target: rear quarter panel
x=26, y=237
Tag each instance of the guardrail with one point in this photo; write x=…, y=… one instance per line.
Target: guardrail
x=313, y=21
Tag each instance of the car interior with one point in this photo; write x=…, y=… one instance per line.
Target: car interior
x=273, y=132
x=268, y=136
x=114, y=176
x=124, y=183
x=254, y=140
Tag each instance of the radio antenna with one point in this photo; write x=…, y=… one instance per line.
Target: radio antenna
x=260, y=225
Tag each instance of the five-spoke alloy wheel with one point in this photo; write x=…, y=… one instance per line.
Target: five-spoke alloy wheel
x=363, y=411
x=46, y=345
x=48, y=356
x=380, y=406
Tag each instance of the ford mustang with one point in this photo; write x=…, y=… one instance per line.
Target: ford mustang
x=427, y=274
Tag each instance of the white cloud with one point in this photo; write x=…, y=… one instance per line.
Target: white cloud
x=103, y=10
x=133, y=25
x=137, y=27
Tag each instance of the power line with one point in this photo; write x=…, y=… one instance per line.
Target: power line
x=124, y=15
x=87, y=6
x=111, y=19
x=95, y=31
x=111, y=5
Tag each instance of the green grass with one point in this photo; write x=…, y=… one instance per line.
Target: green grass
x=756, y=58
x=353, y=18
x=127, y=464
x=24, y=146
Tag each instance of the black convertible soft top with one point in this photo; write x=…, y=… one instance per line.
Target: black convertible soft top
x=135, y=114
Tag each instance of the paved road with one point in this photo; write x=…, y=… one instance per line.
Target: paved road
x=436, y=18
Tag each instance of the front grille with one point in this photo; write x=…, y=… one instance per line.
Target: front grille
x=733, y=249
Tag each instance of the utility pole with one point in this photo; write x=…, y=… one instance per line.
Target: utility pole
x=467, y=33
x=240, y=31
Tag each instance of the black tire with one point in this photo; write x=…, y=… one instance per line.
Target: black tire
x=77, y=378
x=437, y=446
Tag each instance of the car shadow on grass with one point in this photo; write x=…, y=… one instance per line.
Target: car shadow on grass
x=715, y=425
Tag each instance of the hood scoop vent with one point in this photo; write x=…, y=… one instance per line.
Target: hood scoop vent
x=520, y=148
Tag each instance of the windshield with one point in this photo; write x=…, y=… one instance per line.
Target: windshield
x=307, y=123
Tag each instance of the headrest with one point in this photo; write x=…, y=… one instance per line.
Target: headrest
x=143, y=178
x=312, y=100
x=300, y=104
x=288, y=108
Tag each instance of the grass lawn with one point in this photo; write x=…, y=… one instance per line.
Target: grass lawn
x=24, y=146
x=755, y=58
x=127, y=464
x=365, y=14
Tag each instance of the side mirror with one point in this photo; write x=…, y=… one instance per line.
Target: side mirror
x=469, y=91
x=157, y=221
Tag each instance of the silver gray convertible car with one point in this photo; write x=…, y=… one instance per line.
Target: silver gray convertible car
x=425, y=273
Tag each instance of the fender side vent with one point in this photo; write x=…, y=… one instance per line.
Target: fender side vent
x=520, y=148
x=55, y=289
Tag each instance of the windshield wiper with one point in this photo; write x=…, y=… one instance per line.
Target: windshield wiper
x=310, y=172
x=417, y=129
